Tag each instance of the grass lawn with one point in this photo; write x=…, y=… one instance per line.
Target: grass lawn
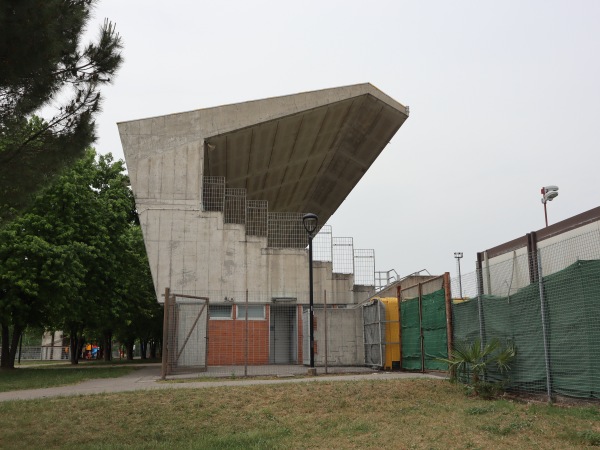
x=50, y=376
x=395, y=414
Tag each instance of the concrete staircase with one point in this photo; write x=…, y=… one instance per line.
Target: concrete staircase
x=284, y=230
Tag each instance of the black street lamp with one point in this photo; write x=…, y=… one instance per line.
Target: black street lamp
x=310, y=222
x=458, y=256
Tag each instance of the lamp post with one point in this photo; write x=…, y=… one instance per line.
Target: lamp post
x=310, y=222
x=548, y=193
x=458, y=256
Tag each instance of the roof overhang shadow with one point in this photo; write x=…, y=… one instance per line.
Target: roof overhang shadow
x=307, y=161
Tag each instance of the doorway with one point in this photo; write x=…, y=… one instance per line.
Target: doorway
x=283, y=332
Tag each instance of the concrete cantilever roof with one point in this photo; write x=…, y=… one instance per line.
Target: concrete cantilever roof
x=302, y=152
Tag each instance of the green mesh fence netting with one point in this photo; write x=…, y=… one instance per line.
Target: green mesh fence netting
x=572, y=302
x=435, y=339
x=410, y=334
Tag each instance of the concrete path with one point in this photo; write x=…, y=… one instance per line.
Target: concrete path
x=148, y=378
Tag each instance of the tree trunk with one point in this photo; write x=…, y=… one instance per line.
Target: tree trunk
x=143, y=348
x=129, y=347
x=9, y=347
x=107, y=345
x=4, y=363
x=153, y=349
x=16, y=335
x=74, y=347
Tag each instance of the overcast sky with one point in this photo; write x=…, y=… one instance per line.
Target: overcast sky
x=504, y=98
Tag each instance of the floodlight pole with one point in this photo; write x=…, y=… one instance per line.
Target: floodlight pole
x=458, y=256
x=310, y=222
x=548, y=193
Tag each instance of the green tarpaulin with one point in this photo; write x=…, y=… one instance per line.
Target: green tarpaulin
x=572, y=301
x=435, y=339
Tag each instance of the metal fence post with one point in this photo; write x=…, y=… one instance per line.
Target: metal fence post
x=325, y=327
x=399, y=297
x=543, y=312
x=448, y=305
x=163, y=371
x=172, y=342
x=480, y=308
x=421, y=336
x=246, y=349
x=380, y=333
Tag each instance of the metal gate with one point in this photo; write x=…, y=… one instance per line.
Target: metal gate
x=374, y=333
x=185, y=333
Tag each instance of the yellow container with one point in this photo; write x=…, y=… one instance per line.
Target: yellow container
x=392, y=333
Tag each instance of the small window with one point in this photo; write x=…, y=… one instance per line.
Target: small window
x=255, y=312
x=219, y=311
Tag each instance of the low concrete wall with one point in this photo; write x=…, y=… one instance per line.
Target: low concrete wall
x=344, y=337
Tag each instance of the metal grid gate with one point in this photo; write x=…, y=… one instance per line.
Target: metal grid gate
x=185, y=333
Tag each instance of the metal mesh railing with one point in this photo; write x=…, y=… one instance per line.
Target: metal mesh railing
x=322, y=245
x=257, y=218
x=286, y=230
x=385, y=278
x=213, y=193
x=235, y=206
x=343, y=254
x=548, y=305
x=364, y=267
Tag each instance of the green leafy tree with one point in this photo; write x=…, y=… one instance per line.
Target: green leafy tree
x=110, y=272
x=60, y=263
x=142, y=319
x=35, y=275
x=101, y=210
x=45, y=66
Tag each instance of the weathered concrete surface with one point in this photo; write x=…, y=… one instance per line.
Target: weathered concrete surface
x=302, y=152
x=345, y=341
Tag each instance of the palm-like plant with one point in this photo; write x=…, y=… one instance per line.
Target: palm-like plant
x=475, y=359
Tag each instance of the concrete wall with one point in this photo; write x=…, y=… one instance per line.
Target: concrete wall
x=345, y=343
x=404, y=283
x=191, y=251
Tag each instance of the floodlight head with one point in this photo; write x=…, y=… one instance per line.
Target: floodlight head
x=548, y=193
x=547, y=189
x=310, y=222
x=458, y=255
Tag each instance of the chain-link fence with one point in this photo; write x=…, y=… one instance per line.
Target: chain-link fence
x=547, y=304
x=424, y=331
x=254, y=333
x=42, y=353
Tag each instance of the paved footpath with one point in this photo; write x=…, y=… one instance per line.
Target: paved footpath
x=148, y=378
